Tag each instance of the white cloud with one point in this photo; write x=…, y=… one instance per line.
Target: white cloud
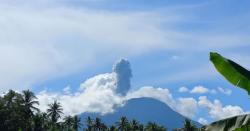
x=225, y=91
x=183, y=89
x=101, y=94
x=66, y=90
x=97, y=95
x=43, y=40
x=217, y=110
x=161, y=94
x=42, y=43
x=187, y=106
x=203, y=121
x=213, y=91
x=202, y=90
x=199, y=90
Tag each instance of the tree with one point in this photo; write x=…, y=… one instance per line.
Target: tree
x=122, y=124
x=13, y=111
x=54, y=112
x=112, y=128
x=141, y=127
x=98, y=125
x=134, y=124
x=76, y=122
x=152, y=126
x=18, y=112
x=188, y=126
x=68, y=122
x=28, y=102
x=40, y=122
x=89, y=123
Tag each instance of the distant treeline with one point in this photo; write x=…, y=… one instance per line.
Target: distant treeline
x=19, y=112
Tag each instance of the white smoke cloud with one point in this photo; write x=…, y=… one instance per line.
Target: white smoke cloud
x=96, y=94
x=123, y=74
x=102, y=94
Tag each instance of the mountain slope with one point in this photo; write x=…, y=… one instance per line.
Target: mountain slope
x=144, y=110
x=229, y=124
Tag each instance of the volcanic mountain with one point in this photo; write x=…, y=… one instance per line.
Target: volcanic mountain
x=144, y=110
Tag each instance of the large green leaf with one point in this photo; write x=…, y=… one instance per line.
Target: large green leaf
x=243, y=128
x=232, y=71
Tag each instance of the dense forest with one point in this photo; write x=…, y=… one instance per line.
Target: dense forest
x=19, y=112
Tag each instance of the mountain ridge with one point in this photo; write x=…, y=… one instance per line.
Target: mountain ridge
x=144, y=110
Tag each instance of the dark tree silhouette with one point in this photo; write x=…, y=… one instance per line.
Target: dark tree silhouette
x=98, y=125
x=152, y=126
x=68, y=122
x=122, y=124
x=134, y=124
x=54, y=112
x=89, y=123
x=28, y=102
x=76, y=123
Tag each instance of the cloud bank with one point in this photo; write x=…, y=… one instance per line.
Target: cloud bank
x=44, y=40
x=104, y=93
x=217, y=111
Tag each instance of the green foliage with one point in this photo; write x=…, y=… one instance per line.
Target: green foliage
x=233, y=72
x=151, y=126
x=243, y=128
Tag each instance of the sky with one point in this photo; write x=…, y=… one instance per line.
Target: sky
x=65, y=49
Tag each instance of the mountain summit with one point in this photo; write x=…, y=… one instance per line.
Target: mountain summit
x=144, y=110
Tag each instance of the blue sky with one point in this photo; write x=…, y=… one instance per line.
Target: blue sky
x=50, y=45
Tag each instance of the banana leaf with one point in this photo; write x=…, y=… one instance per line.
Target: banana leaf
x=243, y=128
x=233, y=72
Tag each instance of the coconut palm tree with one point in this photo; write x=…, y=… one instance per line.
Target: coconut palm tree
x=40, y=122
x=76, y=122
x=141, y=127
x=188, y=126
x=28, y=102
x=68, y=122
x=134, y=124
x=152, y=126
x=10, y=99
x=122, y=124
x=89, y=123
x=98, y=125
x=112, y=128
x=54, y=112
